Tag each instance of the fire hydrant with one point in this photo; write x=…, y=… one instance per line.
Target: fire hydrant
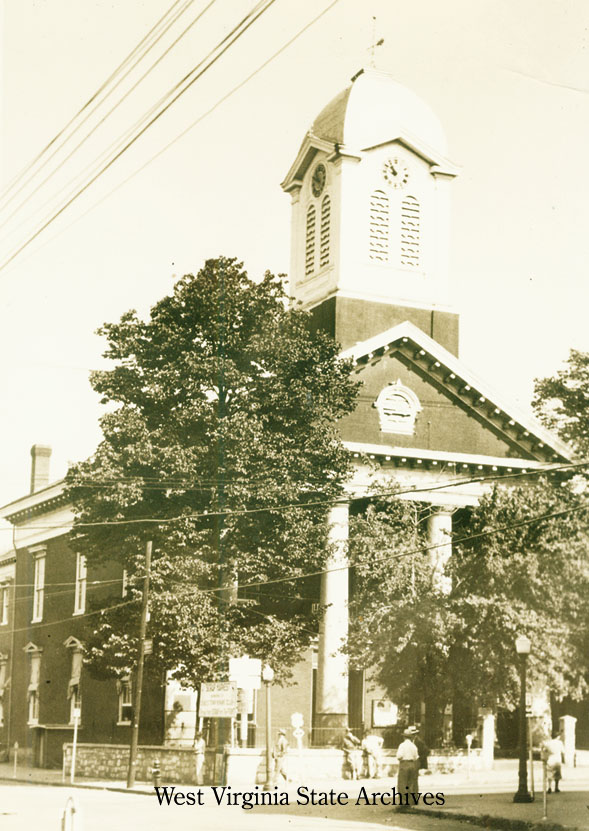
x=156, y=773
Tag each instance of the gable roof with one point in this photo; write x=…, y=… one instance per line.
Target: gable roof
x=447, y=373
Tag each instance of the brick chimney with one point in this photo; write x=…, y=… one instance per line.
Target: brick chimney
x=40, y=457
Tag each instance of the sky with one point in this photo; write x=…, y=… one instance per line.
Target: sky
x=508, y=80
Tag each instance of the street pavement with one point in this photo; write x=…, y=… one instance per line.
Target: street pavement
x=479, y=796
x=40, y=807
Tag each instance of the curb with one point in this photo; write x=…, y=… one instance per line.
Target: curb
x=91, y=786
x=498, y=823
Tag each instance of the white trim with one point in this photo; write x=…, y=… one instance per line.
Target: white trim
x=80, y=584
x=443, y=456
x=450, y=362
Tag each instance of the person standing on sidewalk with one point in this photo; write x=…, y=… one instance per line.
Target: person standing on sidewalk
x=199, y=757
x=422, y=750
x=371, y=750
x=408, y=758
x=280, y=751
x=352, y=754
x=555, y=748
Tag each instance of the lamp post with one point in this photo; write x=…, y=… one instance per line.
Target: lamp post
x=522, y=647
x=267, y=678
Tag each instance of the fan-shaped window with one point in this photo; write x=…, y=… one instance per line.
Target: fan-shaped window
x=310, y=241
x=379, y=226
x=397, y=407
x=324, y=241
x=410, y=232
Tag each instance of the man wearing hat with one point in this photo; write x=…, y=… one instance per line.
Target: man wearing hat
x=280, y=751
x=408, y=756
x=352, y=754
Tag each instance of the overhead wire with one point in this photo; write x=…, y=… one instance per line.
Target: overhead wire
x=187, y=81
x=123, y=138
x=231, y=92
x=94, y=96
x=300, y=505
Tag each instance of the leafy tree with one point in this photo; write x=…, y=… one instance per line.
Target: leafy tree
x=531, y=578
x=399, y=628
x=562, y=401
x=508, y=576
x=221, y=425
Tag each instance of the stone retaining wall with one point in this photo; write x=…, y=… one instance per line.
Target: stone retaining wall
x=242, y=766
x=110, y=761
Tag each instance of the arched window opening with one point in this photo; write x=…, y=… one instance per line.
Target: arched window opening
x=410, y=232
x=379, y=226
x=310, y=241
x=324, y=240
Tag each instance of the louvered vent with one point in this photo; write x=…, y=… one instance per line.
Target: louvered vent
x=379, y=226
x=310, y=241
x=410, y=232
x=325, y=222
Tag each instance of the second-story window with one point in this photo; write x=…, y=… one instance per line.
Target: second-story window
x=80, y=591
x=38, y=587
x=4, y=599
x=3, y=684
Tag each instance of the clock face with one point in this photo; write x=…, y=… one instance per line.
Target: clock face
x=318, y=180
x=395, y=172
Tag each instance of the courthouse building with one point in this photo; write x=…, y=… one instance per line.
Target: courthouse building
x=371, y=190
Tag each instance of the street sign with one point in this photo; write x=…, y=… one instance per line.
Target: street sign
x=246, y=672
x=297, y=720
x=148, y=646
x=218, y=699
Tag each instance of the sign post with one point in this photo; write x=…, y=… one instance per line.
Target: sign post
x=77, y=714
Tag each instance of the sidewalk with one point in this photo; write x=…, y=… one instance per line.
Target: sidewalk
x=482, y=797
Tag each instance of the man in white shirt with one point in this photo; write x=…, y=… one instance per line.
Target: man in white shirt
x=408, y=756
x=555, y=748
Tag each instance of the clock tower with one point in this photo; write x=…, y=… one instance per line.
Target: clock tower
x=370, y=191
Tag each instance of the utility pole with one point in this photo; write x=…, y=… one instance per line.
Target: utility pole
x=139, y=678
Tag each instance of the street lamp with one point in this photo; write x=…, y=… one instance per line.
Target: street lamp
x=522, y=647
x=267, y=678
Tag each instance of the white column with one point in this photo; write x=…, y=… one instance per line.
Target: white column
x=332, y=665
x=567, y=726
x=439, y=531
x=487, y=739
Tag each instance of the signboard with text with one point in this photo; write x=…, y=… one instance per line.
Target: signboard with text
x=218, y=699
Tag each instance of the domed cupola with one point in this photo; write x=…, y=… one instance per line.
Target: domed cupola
x=370, y=218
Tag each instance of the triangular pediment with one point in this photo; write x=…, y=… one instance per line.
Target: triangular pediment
x=456, y=398
x=32, y=647
x=311, y=145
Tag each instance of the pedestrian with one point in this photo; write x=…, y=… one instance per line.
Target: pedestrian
x=408, y=758
x=280, y=751
x=352, y=754
x=555, y=748
x=371, y=750
x=199, y=757
x=422, y=749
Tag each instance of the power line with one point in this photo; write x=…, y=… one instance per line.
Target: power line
x=92, y=98
x=121, y=138
x=300, y=505
x=421, y=550
x=32, y=627
x=221, y=48
x=191, y=126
